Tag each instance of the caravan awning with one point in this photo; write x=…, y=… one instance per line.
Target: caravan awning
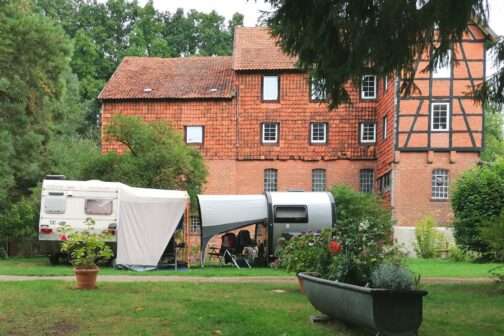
x=148, y=219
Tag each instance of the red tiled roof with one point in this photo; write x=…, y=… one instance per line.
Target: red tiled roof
x=256, y=49
x=179, y=78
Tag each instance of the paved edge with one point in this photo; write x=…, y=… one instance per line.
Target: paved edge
x=234, y=280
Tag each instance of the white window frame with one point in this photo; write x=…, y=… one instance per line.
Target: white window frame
x=385, y=83
x=312, y=125
x=361, y=132
x=440, y=192
x=263, y=127
x=263, y=88
x=384, y=127
x=445, y=71
x=189, y=140
x=447, y=117
x=363, y=96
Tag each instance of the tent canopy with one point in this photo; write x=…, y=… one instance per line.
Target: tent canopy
x=148, y=219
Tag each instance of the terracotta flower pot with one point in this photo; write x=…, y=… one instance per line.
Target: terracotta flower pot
x=86, y=277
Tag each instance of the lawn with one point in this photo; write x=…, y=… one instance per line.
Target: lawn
x=425, y=267
x=54, y=308
x=447, y=268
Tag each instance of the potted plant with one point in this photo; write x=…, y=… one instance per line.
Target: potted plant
x=360, y=277
x=85, y=249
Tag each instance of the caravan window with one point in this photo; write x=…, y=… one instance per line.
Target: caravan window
x=99, y=206
x=291, y=214
x=55, y=203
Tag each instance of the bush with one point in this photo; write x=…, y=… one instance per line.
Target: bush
x=393, y=277
x=306, y=253
x=492, y=234
x=498, y=274
x=353, y=249
x=428, y=239
x=478, y=197
x=85, y=248
x=458, y=255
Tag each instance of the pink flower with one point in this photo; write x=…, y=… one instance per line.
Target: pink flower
x=63, y=237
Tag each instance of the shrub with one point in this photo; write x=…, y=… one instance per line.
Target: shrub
x=498, y=274
x=458, y=255
x=428, y=240
x=85, y=248
x=492, y=234
x=364, y=229
x=393, y=277
x=478, y=196
x=306, y=253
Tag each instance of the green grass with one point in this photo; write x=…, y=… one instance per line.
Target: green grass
x=41, y=266
x=55, y=308
x=425, y=267
x=447, y=268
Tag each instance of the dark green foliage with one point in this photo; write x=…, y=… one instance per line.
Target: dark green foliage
x=494, y=135
x=359, y=243
x=492, y=233
x=478, y=197
x=156, y=157
x=341, y=40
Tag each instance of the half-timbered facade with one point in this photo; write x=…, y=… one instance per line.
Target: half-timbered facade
x=261, y=124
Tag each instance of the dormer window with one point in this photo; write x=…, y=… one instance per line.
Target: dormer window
x=270, y=88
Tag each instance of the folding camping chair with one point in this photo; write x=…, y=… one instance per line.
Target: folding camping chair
x=230, y=251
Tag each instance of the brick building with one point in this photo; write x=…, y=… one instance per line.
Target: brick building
x=261, y=125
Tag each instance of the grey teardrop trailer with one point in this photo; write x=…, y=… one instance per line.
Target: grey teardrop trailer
x=279, y=213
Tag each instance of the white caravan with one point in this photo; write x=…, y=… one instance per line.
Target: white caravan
x=141, y=221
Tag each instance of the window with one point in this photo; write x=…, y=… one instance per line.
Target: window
x=317, y=90
x=270, y=179
x=55, y=203
x=368, y=132
x=318, y=133
x=194, y=134
x=366, y=180
x=385, y=83
x=270, y=88
x=440, y=184
x=318, y=180
x=270, y=133
x=440, y=120
x=368, y=87
x=195, y=224
x=384, y=182
x=384, y=126
x=102, y=207
x=443, y=70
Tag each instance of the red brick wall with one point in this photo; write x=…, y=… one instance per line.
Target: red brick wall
x=294, y=112
x=217, y=116
x=385, y=147
x=412, y=179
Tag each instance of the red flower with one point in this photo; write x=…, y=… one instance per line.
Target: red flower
x=334, y=247
x=63, y=237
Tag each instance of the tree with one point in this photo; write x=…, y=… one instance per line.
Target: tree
x=156, y=157
x=494, y=136
x=478, y=197
x=341, y=40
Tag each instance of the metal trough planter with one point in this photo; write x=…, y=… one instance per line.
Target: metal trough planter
x=387, y=312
